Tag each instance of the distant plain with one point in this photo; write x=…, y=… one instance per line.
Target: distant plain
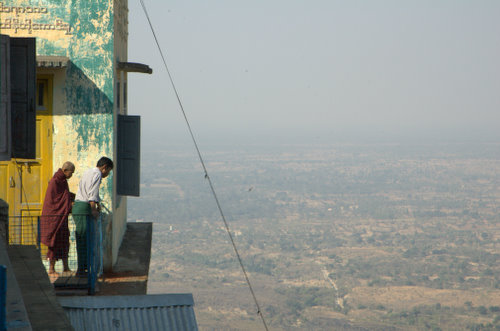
x=333, y=236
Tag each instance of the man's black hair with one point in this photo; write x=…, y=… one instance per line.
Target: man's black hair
x=105, y=161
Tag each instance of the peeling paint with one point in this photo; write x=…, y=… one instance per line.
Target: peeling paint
x=84, y=111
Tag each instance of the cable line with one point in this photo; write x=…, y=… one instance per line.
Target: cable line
x=207, y=177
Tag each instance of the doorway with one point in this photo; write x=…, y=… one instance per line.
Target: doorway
x=23, y=182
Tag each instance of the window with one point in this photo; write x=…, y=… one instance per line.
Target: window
x=124, y=98
x=18, y=98
x=118, y=95
x=41, y=97
x=5, y=138
x=129, y=153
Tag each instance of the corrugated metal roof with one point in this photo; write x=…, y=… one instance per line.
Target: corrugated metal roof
x=131, y=312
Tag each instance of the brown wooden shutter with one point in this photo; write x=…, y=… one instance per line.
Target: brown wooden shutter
x=23, y=81
x=129, y=155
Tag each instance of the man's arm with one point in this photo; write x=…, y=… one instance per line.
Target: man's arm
x=94, y=206
x=94, y=194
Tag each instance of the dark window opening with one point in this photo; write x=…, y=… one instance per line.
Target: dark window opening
x=40, y=103
x=118, y=94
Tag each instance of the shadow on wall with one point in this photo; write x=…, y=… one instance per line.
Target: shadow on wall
x=88, y=128
x=89, y=107
x=83, y=96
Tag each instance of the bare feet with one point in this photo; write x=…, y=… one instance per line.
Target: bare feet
x=65, y=264
x=53, y=276
x=80, y=273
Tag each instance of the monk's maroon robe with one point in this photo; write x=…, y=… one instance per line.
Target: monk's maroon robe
x=54, y=231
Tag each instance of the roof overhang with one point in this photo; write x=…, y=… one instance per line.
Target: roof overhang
x=55, y=62
x=134, y=67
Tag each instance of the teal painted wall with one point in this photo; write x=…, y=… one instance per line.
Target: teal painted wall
x=83, y=31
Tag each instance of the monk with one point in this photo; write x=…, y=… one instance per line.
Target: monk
x=54, y=231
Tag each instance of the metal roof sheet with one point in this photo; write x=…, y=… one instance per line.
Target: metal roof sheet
x=131, y=312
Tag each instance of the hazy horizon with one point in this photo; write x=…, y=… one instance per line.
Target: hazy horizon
x=153, y=140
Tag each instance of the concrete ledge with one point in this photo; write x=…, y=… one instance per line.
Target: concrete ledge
x=17, y=316
x=130, y=273
x=129, y=301
x=44, y=311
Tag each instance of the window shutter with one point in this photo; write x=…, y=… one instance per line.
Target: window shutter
x=5, y=139
x=129, y=155
x=23, y=80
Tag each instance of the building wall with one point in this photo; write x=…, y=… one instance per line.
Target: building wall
x=121, y=55
x=84, y=113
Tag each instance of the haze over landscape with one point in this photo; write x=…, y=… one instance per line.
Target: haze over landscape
x=355, y=148
x=339, y=236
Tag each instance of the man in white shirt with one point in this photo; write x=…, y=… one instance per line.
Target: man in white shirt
x=87, y=203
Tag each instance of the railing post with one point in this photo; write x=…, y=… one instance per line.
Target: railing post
x=91, y=254
x=3, y=295
x=38, y=233
x=100, y=247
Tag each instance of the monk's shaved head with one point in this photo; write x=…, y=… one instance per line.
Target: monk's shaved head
x=68, y=168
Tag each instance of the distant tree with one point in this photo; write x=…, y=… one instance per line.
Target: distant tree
x=482, y=310
x=271, y=311
x=488, y=272
x=494, y=309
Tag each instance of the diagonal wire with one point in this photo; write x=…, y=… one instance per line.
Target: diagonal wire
x=259, y=312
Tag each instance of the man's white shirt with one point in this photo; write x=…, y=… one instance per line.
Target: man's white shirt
x=88, y=188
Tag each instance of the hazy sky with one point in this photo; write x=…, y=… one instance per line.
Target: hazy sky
x=318, y=68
